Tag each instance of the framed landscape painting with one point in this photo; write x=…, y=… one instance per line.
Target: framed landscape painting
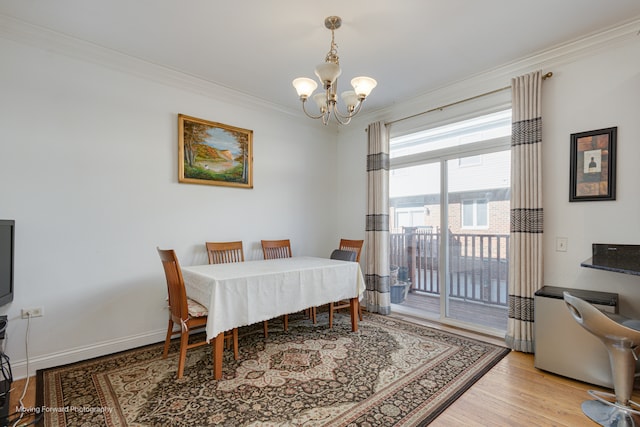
x=214, y=154
x=593, y=165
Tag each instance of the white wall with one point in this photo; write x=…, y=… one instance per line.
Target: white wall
x=592, y=93
x=595, y=85
x=88, y=170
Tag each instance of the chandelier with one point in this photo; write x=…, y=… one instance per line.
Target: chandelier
x=328, y=73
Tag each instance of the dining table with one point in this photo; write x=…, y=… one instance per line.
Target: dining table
x=244, y=293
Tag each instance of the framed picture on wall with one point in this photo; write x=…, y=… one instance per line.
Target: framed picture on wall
x=214, y=154
x=593, y=165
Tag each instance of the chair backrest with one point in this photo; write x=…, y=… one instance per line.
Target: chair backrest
x=272, y=249
x=598, y=323
x=175, y=284
x=343, y=255
x=224, y=252
x=352, y=245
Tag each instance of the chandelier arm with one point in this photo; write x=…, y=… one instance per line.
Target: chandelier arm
x=343, y=120
x=304, y=101
x=358, y=106
x=348, y=115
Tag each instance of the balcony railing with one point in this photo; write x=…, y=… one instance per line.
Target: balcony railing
x=478, y=264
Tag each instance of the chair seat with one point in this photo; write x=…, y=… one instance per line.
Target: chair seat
x=196, y=309
x=632, y=323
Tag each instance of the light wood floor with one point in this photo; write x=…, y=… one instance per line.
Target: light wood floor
x=17, y=389
x=513, y=393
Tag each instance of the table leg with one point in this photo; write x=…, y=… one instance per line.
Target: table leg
x=353, y=308
x=218, y=343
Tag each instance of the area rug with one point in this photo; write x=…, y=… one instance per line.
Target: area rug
x=389, y=373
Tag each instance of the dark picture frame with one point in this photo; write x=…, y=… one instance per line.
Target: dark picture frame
x=593, y=165
x=213, y=153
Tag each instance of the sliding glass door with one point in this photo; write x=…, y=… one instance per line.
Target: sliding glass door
x=415, y=230
x=478, y=239
x=449, y=212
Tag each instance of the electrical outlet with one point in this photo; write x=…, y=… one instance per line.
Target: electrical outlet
x=34, y=312
x=561, y=244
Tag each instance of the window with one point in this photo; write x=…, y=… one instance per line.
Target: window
x=474, y=214
x=453, y=137
x=409, y=217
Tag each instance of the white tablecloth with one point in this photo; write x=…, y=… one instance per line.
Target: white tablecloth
x=244, y=293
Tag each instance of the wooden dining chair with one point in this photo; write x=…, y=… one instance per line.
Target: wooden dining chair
x=184, y=312
x=224, y=252
x=273, y=249
x=227, y=252
x=353, y=246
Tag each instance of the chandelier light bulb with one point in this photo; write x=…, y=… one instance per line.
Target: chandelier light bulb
x=321, y=101
x=328, y=72
x=350, y=99
x=363, y=85
x=304, y=86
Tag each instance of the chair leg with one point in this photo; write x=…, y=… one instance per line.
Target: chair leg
x=265, y=327
x=235, y=343
x=359, y=311
x=184, y=341
x=314, y=312
x=330, y=315
x=285, y=320
x=167, y=340
x=623, y=367
x=311, y=314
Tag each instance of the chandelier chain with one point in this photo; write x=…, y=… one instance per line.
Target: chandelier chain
x=332, y=55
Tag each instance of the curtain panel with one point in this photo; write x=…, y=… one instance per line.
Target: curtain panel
x=377, y=294
x=525, y=249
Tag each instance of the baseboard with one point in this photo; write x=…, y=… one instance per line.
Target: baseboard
x=19, y=368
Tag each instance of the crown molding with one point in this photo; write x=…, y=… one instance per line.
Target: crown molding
x=500, y=76
x=45, y=39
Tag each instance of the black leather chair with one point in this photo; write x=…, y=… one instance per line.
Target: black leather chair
x=343, y=255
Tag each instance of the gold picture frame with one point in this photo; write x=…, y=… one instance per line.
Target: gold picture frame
x=212, y=153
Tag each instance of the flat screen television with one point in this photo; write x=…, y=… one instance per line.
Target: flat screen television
x=7, y=238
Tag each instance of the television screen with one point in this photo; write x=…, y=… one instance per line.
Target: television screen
x=7, y=232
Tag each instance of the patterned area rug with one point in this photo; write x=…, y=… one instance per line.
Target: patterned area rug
x=389, y=373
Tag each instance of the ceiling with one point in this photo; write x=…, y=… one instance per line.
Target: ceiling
x=258, y=47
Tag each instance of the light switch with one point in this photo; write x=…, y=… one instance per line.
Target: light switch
x=561, y=244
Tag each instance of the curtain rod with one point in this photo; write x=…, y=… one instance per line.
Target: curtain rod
x=544, y=77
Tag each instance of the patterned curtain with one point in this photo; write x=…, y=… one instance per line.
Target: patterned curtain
x=525, y=249
x=377, y=295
